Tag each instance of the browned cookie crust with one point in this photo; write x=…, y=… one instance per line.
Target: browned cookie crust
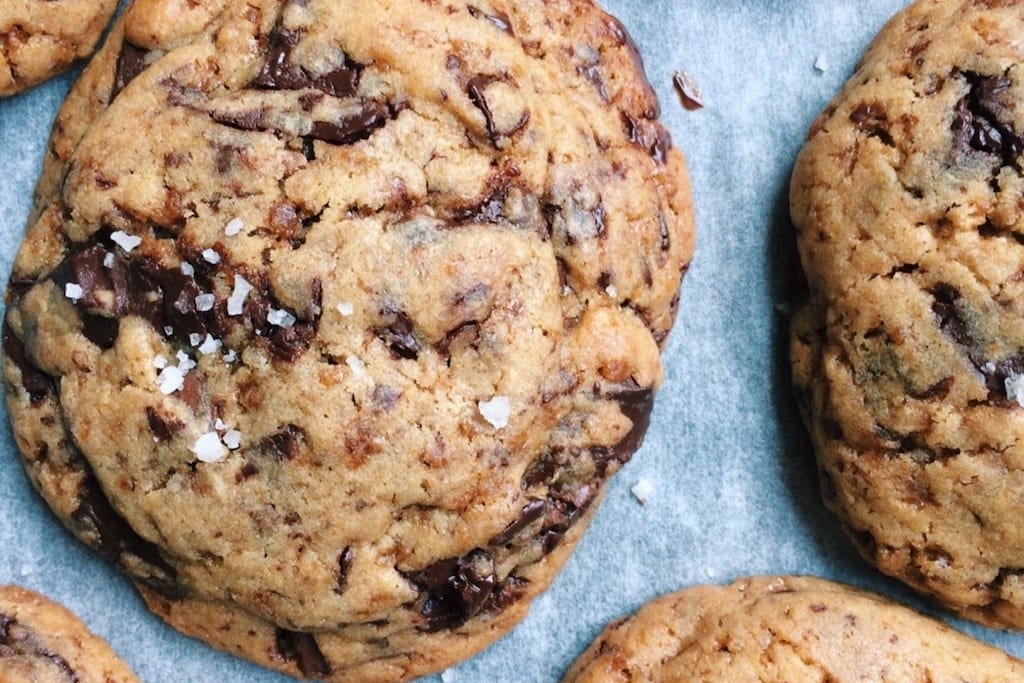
x=909, y=354
x=786, y=630
x=41, y=38
x=333, y=318
x=42, y=642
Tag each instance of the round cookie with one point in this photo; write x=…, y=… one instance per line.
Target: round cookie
x=786, y=629
x=41, y=39
x=333, y=319
x=42, y=642
x=908, y=353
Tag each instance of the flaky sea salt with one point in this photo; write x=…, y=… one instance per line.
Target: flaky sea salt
x=1015, y=388
x=209, y=345
x=233, y=439
x=642, y=490
x=355, y=364
x=108, y=260
x=211, y=256
x=280, y=317
x=159, y=362
x=187, y=269
x=497, y=411
x=447, y=676
x=219, y=425
x=230, y=356
x=208, y=448
x=346, y=308
x=234, y=227
x=195, y=339
x=205, y=302
x=611, y=291
x=185, y=362
x=821, y=64
x=168, y=330
x=124, y=240
x=73, y=291
x=170, y=379
x=237, y=299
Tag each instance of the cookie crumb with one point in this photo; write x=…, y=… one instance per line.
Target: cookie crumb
x=689, y=92
x=237, y=298
x=821, y=64
x=642, y=490
x=124, y=240
x=234, y=227
x=346, y=308
x=208, y=448
x=73, y=291
x=497, y=411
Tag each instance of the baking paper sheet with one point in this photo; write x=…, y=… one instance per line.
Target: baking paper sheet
x=733, y=489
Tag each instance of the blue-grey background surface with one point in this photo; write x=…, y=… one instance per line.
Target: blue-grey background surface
x=734, y=486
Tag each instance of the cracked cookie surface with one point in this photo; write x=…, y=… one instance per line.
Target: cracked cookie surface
x=40, y=39
x=909, y=352
x=792, y=629
x=333, y=319
x=42, y=642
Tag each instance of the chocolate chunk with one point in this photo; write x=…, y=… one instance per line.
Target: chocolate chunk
x=498, y=18
x=871, y=118
x=18, y=640
x=636, y=403
x=308, y=150
x=977, y=121
x=302, y=648
x=345, y=560
x=279, y=73
x=398, y=333
x=114, y=537
x=951, y=321
x=163, y=428
x=666, y=237
x=649, y=135
x=937, y=391
x=458, y=589
x=475, y=90
x=540, y=472
x=131, y=61
x=284, y=444
x=689, y=92
x=37, y=383
x=531, y=512
x=355, y=127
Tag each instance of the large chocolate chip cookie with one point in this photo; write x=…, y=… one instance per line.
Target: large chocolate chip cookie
x=333, y=319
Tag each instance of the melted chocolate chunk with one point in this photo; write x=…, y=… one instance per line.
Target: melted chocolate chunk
x=279, y=73
x=131, y=61
x=498, y=18
x=114, y=537
x=649, y=135
x=871, y=118
x=302, y=648
x=530, y=513
x=284, y=444
x=17, y=639
x=345, y=560
x=977, y=122
x=398, y=333
x=355, y=127
x=163, y=428
x=37, y=383
x=475, y=90
x=458, y=589
x=636, y=403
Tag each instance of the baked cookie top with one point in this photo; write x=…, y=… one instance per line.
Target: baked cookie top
x=332, y=319
x=42, y=642
x=41, y=39
x=792, y=629
x=909, y=353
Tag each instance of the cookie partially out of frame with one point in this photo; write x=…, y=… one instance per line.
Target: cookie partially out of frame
x=909, y=352
x=42, y=642
x=39, y=39
x=786, y=630
x=334, y=318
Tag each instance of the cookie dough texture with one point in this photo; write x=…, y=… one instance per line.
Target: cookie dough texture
x=909, y=352
x=333, y=318
x=786, y=630
x=41, y=38
x=42, y=642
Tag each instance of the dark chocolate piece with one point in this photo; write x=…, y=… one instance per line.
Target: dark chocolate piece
x=131, y=61
x=951, y=321
x=531, y=512
x=649, y=135
x=345, y=560
x=475, y=90
x=302, y=648
x=357, y=126
x=977, y=121
x=398, y=333
x=279, y=73
x=688, y=90
x=457, y=589
x=498, y=18
x=36, y=382
x=16, y=639
x=283, y=444
x=163, y=428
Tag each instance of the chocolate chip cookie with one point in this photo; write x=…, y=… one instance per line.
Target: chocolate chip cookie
x=333, y=319
x=791, y=629
x=42, y=642
x=909, y=351
x=41, y=39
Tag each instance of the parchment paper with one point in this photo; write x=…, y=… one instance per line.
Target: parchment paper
x=734, y=489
